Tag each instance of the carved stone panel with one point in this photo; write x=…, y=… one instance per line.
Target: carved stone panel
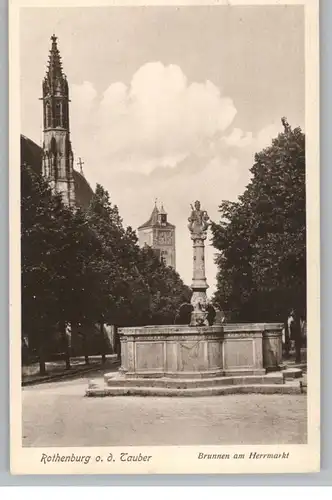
x=238, y=354
x=149, y=356
x=191, y=357
x=214, y=355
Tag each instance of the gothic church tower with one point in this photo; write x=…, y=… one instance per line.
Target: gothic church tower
x=57, y=151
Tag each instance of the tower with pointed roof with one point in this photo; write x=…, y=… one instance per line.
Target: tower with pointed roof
x=159, y=234
x=57, y=151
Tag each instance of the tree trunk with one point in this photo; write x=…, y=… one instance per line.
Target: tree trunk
x=85, y=347
x=103, y=343
x=66, y=346
x=117, y=343
x=42, y=361
x=287, y=339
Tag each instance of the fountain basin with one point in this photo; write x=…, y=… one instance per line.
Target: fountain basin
x=200, y=352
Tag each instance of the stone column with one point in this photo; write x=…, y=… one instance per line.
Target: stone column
x=198, y=224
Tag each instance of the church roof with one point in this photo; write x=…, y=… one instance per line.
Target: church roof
x=83, y=190
x=153, y=220
x=31, y=154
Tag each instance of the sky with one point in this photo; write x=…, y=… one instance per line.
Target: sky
x=168, y=103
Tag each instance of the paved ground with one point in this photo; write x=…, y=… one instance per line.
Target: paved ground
x=57, y=414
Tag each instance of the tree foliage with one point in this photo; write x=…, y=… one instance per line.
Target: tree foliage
x=262, y=236
x=84, y=267
x=39, y=233
x=58, y=253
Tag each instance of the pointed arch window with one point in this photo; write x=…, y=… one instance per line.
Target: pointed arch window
x=48, y=115
x=58, y=114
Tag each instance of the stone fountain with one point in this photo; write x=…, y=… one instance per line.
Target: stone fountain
x=198, y=359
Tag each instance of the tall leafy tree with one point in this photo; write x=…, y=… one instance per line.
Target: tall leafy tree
x=40, y=233
x=59, y=278
x=262, y=236
x=125, y=296
x=77, y=261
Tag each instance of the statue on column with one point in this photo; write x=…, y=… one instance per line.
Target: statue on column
x=198, y=222
x=198, y=225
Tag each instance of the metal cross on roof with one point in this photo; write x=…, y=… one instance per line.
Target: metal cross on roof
x=80, y=164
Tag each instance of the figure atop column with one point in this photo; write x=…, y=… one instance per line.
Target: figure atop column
x=198, y=222
x=198, y=225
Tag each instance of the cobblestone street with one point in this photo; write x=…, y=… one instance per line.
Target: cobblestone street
x=58, y=414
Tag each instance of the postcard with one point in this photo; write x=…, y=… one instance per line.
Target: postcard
x=164, y=237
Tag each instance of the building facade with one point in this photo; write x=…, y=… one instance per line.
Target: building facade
x=159, y=234
x=58, y=158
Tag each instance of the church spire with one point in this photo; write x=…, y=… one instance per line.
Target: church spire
x=55, y=81
x=54, y=69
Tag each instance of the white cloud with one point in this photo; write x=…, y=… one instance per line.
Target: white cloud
x=238, y=138
x=84, y=96
x=160, y=118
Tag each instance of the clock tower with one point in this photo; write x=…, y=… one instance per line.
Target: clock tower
x=159, y=234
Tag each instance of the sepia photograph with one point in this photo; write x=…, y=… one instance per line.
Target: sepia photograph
x=165, y=237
